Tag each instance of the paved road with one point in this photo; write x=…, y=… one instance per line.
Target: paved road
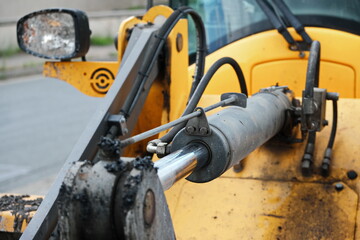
x=40, y=121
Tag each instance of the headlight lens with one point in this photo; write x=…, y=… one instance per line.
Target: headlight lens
x=54, y=33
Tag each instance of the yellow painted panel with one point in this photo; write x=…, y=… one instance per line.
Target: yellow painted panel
x=292, y=73
x=91, y=78
x=178, y=69
x=123, y=35
x=336, y=47
x=156, y=11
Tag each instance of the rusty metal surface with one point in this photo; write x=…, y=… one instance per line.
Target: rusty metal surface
x=113, y=200
x=230, y=208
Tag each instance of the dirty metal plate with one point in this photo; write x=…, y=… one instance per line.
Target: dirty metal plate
x=230, y=208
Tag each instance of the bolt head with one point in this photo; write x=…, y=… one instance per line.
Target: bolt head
x=203, y=131
x=190, y=129
x=179, y=42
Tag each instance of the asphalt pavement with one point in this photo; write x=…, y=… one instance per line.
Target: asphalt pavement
x=40, y=121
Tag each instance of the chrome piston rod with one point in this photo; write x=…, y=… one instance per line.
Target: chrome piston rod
x=179, y=164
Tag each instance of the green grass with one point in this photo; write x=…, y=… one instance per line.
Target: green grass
x=9, y=52
x=31, y=64
x=101, y=41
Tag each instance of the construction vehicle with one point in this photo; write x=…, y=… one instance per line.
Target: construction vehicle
x=255, y=150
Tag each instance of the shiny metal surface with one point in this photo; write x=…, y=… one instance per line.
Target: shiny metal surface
x=179, y=164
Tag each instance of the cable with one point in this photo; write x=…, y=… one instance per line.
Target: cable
x=276, y=21
x=159, y=42
x=194, y=100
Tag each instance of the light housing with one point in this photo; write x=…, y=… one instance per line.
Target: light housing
x=55, y=33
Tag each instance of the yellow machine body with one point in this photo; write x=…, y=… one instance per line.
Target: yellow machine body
x=268, y=198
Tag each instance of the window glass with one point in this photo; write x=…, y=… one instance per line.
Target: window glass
x=228, y=20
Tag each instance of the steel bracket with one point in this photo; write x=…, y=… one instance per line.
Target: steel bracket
x=199, y=125
x=119, y=121
x=314, y=110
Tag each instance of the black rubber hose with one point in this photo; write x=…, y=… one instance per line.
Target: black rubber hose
x=275, y=21
x=312, y=81
x=325, y=166
x=312, y=74
x=293, y=20
x=194, y=100
x=307, y=161
x=201, y=48
x=334, y=125
x=158, y=45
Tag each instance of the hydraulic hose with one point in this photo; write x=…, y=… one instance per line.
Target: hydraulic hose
x=158, y=45
x=194, y=100
x=307, y=161
x=312, y=74
x=334, y=125
x=200, y=36
x=312, y=81
x=325, y=166
x=276, y=21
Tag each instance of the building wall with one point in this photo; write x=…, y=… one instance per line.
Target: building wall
x=18, y=8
